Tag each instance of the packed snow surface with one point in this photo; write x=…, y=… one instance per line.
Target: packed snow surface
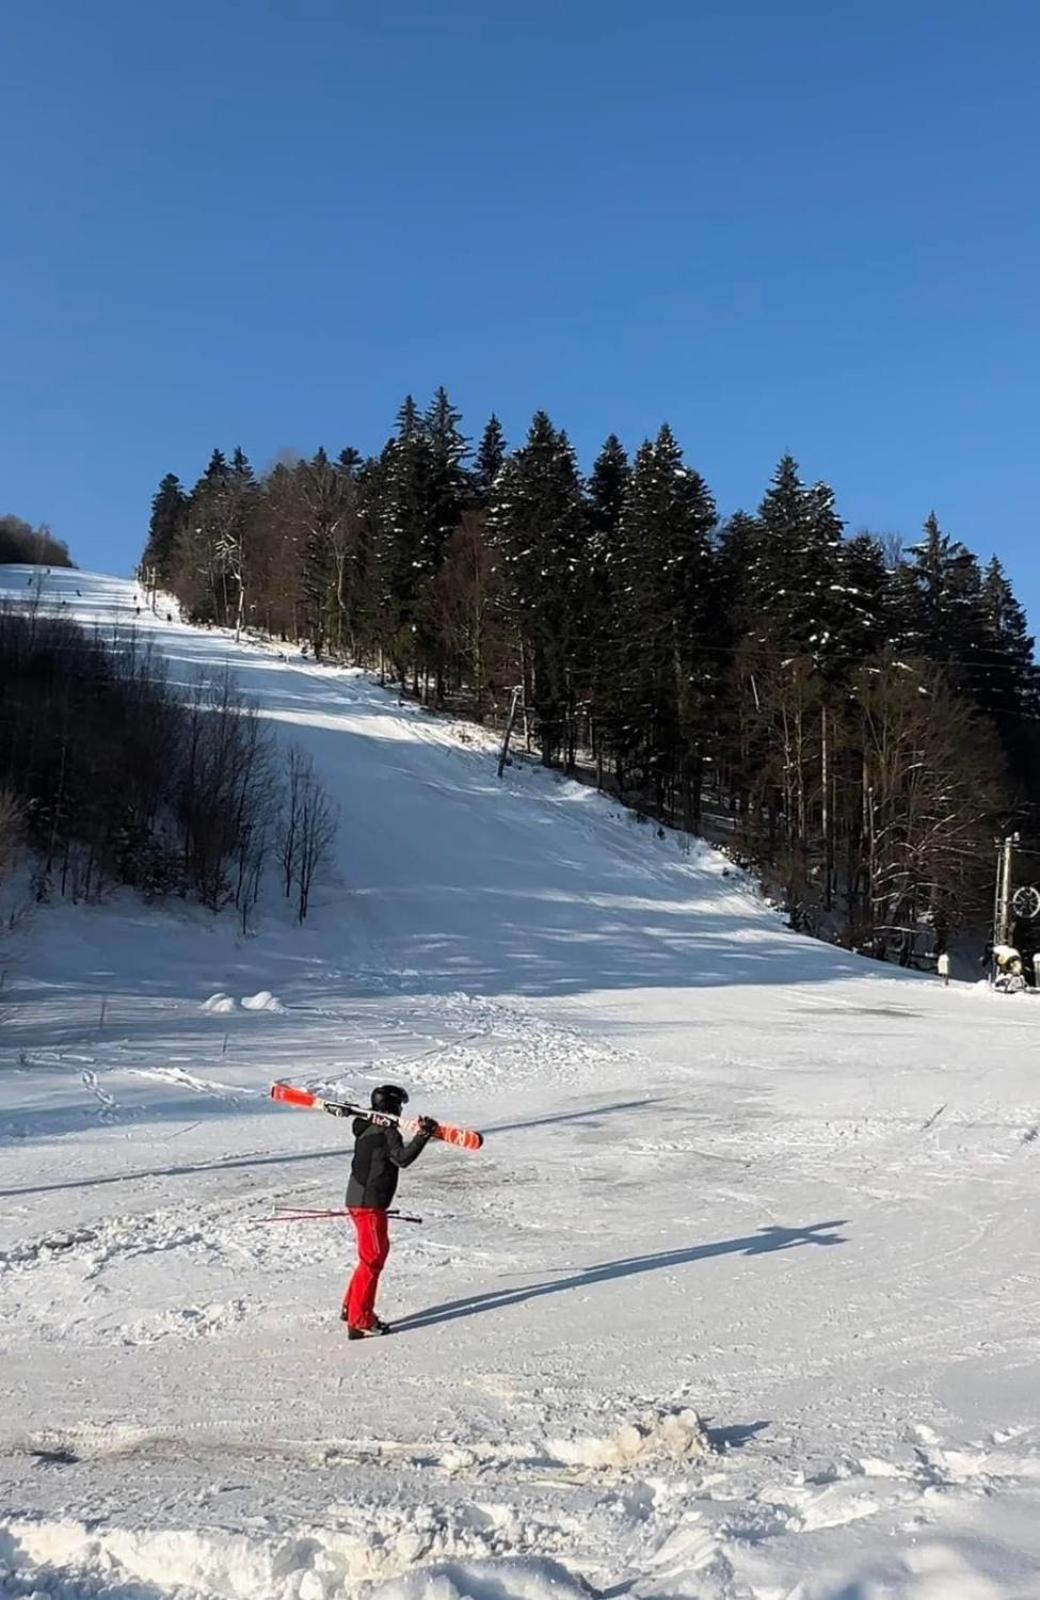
x=738, y=1302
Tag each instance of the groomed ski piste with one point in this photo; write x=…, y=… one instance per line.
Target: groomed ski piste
x=738, y=1302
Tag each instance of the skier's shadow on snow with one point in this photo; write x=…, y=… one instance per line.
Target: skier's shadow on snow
x=587, y=1114
x=755, y=1244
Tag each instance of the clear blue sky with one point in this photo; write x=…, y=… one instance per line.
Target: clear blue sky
x=782, y=226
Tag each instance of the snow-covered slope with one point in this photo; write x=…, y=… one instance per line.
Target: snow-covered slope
x=729, y=1174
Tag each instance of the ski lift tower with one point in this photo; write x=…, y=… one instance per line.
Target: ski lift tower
x=1002, y=895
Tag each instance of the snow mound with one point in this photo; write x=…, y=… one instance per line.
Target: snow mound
x=377, y=1560
x=674, y=1436
x=185, y=1322
x=508, y=1579
x=264, y=1000
x=219, y=1004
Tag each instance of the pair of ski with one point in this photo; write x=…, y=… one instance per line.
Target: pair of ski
x=302, y=1099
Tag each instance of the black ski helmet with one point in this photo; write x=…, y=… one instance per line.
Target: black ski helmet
x=389, y=1097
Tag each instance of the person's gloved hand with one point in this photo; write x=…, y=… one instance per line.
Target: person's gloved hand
x=427, y=1127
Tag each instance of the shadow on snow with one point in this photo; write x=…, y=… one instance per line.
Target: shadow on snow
x=765, y=1241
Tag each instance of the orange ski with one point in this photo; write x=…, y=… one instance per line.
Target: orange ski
x=286, y=1094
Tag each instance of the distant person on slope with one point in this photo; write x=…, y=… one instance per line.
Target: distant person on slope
x=379, y=1153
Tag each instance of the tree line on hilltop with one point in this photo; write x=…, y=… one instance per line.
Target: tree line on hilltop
x=21, y=542
x=855, y=718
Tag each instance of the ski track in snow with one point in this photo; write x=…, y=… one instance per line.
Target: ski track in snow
x=737, y=1303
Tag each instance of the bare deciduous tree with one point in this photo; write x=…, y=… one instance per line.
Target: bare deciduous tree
x=931, y=783
x=12, y=827
x=289, y=827
x=308, y=829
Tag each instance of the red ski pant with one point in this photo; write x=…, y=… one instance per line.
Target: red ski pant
x=373, y=1247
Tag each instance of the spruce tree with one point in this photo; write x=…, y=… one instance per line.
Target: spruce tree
x=448, y=487
x=409, y=419
x=737, y=551
x=949, y=623
x=217, y=469
x=489, y=461
x=441, y=423
x=904, y=622
x=539, y=524
x=793, y=575
x=866, y=593
x=169, y=506
x=608, y=487
x=733, y=643
x=948, y=585
x=399, y=499
x=414, y=498
x=201, y=577
x=661, y=584
x=1010, y=684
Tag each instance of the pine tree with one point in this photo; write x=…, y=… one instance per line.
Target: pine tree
x=949, y=592
x=660, y=579
x=199, y=582
x=169, y=506
x=607, y=491
x=793, y=574
x=399, y=501
x=1010, y=684
x=608, y=486
x=731, y=643
x=490, y=459
x=409, y=419
x=441, y=423
x=539, y=524
x=866, y=591
x=448, y=486
x=904, y=622
x=949, y=623
x=217, y=469
x=737, y=551
x=215, y=539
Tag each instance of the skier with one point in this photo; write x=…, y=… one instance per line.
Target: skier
x=379, y=1151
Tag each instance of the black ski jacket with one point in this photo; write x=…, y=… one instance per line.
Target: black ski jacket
x=379, y=1153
